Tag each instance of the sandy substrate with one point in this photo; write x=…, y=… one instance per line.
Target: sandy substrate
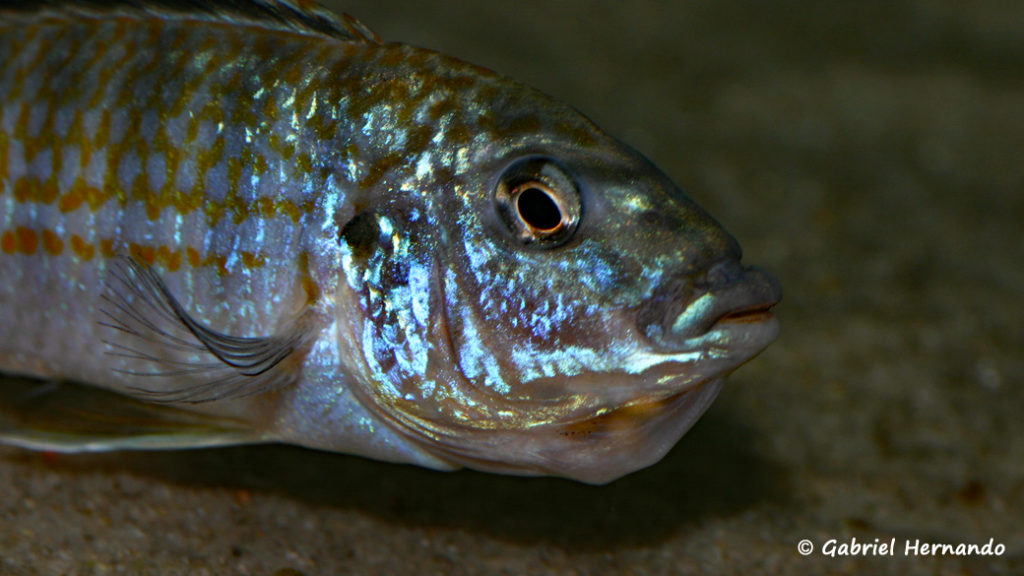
x=870, y=154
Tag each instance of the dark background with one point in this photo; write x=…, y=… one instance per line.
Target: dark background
x=871, y=154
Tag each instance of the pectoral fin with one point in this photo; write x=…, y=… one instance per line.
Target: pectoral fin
x=68, y=417
x=187, y=361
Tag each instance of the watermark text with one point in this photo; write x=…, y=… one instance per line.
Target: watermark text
x=909, y=547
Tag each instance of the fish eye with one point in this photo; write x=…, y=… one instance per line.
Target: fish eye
x=538, y=202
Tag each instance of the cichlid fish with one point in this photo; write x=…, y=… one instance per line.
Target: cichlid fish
x=252, y=221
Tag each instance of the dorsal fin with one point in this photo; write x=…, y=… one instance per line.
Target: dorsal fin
x=301, y=16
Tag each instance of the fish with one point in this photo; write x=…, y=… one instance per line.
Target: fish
x=255, y=221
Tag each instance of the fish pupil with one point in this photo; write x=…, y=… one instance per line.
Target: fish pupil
x=537, y=209
x=539, y=203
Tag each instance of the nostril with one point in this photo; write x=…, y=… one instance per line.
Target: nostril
x=724, y=273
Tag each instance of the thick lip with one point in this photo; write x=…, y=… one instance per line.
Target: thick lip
x=760, y=312
x=747, y=298
x=727, y=299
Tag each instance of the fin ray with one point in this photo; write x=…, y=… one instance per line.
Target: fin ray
x=148, y=324
x=70, y=417
x=302, y=16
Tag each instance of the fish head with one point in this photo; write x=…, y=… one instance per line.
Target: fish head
x=577, y=311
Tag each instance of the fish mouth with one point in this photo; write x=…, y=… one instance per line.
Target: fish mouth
x=751, y=314
x=729, y=306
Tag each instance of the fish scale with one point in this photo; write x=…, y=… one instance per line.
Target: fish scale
x=186, y=191
x=268, y=219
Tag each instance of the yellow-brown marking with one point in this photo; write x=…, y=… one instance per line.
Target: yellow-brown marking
x=76, y=136
x=9, y=242
x=103, y=130
x=270, y=108
x=220, y=262
x=625, y=418
x=251, y=260
x=193, y=257
x=22, y=190
x=309, y=285
x=107, y=72
x=107, y=248
x=97, y=84
x=28, y=241
x=142, y=253
x=170, y=258
x=81, y=248
x=52, y=243
x=81, y=193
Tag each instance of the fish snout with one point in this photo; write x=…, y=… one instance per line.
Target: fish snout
x=726, y=295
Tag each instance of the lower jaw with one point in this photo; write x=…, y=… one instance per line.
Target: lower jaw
x=636, y=436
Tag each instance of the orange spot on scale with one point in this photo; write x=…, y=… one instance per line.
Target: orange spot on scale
x=142, y=253
x=9, y=242
x=28, y=240
x=23, y=189
x=107, y=247
x=81, y=193
x=70, y=201
x=221, y=262
x=95, y=197
x=153, y=206
x=265, y=206
x=83, y=249
x=253, y=260
x=290, y=209
x=193, y=257
x=174, y=261
x=163, y=253
x=49, y=192
x=170, y=258
x=52, y=243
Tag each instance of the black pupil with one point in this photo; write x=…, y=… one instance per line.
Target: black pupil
x=538, y=209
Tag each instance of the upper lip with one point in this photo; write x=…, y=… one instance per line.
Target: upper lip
x=748, y=296
x=726, y=292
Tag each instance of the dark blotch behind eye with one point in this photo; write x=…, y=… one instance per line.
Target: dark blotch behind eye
x=537, y=209
x=361, y=234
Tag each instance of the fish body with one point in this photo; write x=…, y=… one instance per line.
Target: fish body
x=258, y=222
